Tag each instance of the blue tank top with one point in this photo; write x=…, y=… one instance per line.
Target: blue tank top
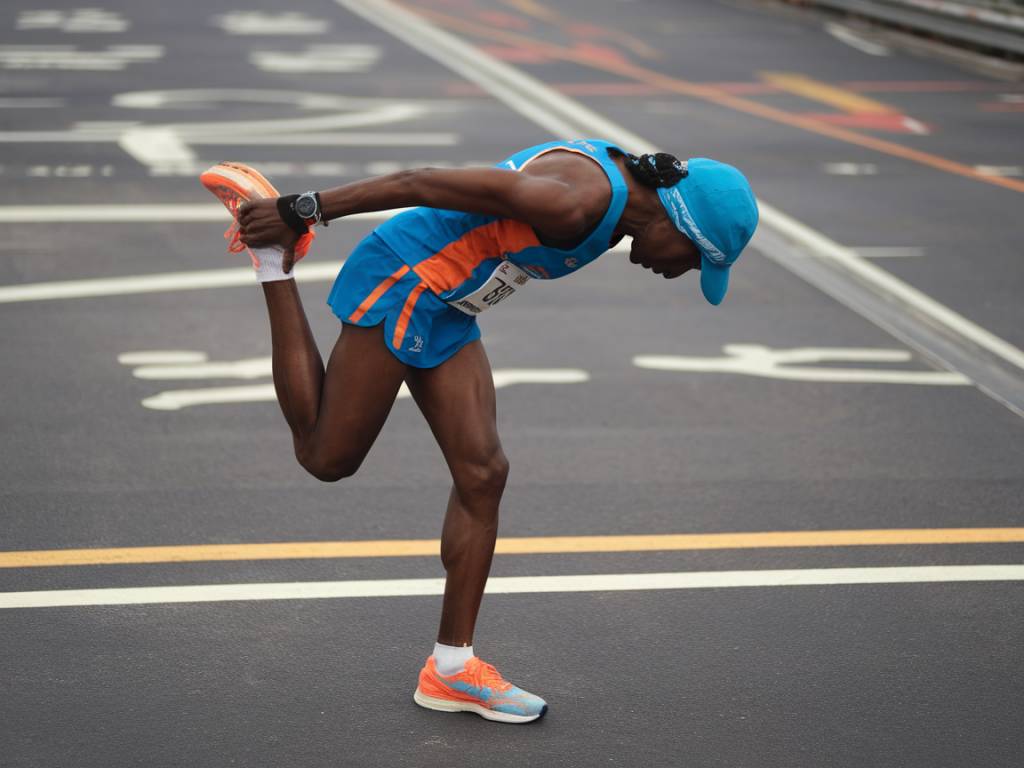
x=456, y=253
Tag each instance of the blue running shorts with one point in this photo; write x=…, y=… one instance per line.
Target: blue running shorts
x=375, y=286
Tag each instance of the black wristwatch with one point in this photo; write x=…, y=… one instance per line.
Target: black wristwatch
x=307, y=206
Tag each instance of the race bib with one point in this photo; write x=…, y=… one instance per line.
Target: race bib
x=506, y=279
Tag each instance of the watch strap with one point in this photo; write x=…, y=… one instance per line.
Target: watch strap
x=286, y=210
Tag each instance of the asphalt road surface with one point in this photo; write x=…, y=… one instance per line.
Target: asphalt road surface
x=833, y=485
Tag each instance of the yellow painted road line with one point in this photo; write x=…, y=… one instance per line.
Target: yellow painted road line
x=303, y=550
x=717, y=96
x=823, y=93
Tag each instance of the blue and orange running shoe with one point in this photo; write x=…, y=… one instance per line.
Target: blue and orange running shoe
x=478, y=688
x=237, y=183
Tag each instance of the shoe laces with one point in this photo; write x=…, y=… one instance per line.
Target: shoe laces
x=232, y=233
x=492, y=678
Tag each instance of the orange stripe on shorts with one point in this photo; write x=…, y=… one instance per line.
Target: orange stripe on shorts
x=377, y=292
x=449, y=267
x=403, y=319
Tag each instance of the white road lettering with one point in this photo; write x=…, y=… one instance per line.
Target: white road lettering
x=272, y=24
x=174, y=365
x=166, y=148
x=318, y=58
x=78, y=20
x=791, y=364
x=66, y=57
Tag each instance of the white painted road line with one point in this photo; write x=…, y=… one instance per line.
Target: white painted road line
x=134, y=214
x=889, y=252
x=893, y=305
x=176, y=281
x=510, y=585
x=852, y=39
x=166, y=281
x=851, y=169
x=336, y=139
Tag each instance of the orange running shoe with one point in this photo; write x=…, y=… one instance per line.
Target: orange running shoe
x=237, y=183
x=478, y=688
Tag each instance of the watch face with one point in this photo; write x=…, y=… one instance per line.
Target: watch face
x=305, y=206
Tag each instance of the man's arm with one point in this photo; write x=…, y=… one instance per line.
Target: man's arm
x=544, y=203
x=548, y=205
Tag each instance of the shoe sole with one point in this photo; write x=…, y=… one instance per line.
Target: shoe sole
x=231, y=182
x=268, y=189
x=444, y=705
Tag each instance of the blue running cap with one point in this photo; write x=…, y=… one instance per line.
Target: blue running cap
x=714, y=206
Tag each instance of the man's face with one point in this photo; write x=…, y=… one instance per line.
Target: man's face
x=664, y=250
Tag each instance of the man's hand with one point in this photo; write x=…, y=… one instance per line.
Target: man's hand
x=260, y=226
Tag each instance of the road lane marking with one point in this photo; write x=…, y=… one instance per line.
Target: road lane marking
x=851, y=169
x=178, y=281
x=944, y=336
x=889, y=251
x=378, y=9
x=823, y=93
x=158, y=283
x=67, y=57
x=852, y=39
x=127, y=213
x=533, y=545
x=1001, y=170
x=856, y=111
x=512, y=585
x=29, y=102
x=336, y=139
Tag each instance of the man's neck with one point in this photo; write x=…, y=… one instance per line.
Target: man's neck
x=642, y=205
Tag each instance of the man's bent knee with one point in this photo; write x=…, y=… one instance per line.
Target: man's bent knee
x=328, y=469
x=482, y=479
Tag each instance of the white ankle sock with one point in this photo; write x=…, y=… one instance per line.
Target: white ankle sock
x=270, y=268
x=451, y=659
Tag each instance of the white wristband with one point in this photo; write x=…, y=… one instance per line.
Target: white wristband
x=271, y=265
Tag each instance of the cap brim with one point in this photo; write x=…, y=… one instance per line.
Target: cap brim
x=714, y=280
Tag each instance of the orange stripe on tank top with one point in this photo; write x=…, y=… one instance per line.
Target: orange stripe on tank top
x=449, y=267
x=403, y=319
x=377, y=292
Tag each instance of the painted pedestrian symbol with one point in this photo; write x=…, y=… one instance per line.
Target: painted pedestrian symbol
x=794, y=365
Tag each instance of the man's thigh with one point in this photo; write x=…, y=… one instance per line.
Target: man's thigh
x=457, y=399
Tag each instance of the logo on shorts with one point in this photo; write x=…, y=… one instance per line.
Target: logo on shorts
x=417, y=344
x=571, y=262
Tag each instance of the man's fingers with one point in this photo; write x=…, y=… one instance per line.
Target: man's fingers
x=289, y=260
